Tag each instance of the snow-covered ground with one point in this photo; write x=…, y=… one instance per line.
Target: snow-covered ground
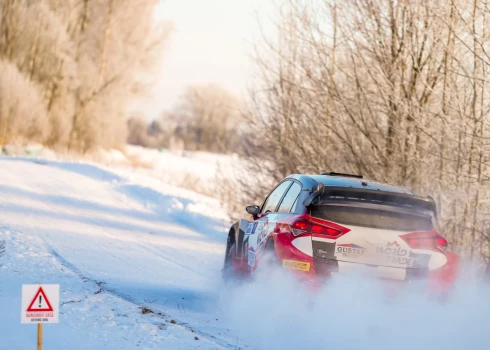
x=138, y=261
x=115, y=244
x=197, y=171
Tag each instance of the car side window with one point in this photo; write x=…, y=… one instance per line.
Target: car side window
x=274, y=198
x=290, y=198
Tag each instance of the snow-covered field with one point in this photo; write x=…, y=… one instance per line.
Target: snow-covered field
x=139, y=260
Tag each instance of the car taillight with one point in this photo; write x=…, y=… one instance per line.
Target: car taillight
x=303, y=226
x=300, y=227
x=427, y=242
x=324, y=230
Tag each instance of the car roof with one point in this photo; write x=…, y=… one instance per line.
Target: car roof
x=347, y=181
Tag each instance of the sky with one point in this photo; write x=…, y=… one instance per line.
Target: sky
x=211, y=42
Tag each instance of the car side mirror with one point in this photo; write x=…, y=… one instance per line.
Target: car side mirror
x=253, y=209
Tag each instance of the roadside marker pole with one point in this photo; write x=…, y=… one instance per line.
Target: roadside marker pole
x=40, y=331
x=39, y=336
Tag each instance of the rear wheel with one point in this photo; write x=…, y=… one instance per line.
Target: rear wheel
x=228, y=266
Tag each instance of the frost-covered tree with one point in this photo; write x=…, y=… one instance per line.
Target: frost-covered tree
x=22, y=112
x=207, y=118
x=90, y=59
x=394, y=90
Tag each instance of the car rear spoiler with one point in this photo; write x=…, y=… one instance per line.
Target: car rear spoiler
x=323, y=193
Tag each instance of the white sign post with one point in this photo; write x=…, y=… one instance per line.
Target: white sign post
x=40, y=304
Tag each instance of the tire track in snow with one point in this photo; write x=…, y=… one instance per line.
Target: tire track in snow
x=218, y=341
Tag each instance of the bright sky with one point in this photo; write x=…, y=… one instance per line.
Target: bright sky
x=211, y=43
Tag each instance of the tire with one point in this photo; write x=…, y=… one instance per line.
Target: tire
x=228, y=271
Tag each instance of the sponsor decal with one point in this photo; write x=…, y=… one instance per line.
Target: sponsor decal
x=261, y=231
x=350, y=245
x=251, y=228
x=251, y=256
x=395, y=255
x=391, y=251
x=296, y=265
x=260, y=247
x=400, y=260
x=350, y=250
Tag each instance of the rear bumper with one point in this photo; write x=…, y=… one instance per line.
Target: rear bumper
x=317, y=270
x=442, y=279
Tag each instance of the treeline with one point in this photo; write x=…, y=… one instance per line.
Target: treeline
x=70, y=69
x=395, y=90
x=206, y=118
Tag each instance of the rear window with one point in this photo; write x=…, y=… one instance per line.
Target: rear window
x=375, y=218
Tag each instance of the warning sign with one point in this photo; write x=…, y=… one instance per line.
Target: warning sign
x=40, y=303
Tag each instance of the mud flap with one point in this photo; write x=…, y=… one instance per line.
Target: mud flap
x=239, y=237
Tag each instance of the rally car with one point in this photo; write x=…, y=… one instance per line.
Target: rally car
x=319, y=225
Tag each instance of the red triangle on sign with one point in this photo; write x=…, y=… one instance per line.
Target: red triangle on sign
x=39, y=293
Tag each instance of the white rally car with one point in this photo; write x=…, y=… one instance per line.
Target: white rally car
x=319, y=225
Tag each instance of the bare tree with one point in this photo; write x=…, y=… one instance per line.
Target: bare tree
x=208, y=118
x=137, y=132
x=114, y=39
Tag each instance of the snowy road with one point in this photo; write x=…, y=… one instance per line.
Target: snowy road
x=114, y=244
